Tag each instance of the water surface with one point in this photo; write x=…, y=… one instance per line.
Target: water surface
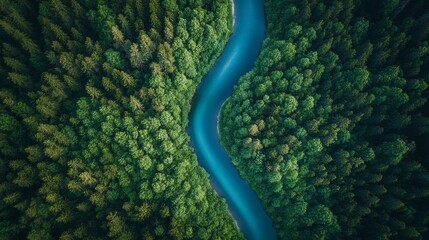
x=237, y=59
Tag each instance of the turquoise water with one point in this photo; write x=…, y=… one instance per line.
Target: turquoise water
x=237, y=59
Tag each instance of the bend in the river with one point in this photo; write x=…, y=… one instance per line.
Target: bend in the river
x=237, y=59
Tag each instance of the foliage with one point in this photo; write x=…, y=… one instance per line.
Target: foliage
x=94, y=100
x=331, y=126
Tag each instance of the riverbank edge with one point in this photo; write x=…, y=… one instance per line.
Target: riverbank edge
x=231, y=22
x=219, y=119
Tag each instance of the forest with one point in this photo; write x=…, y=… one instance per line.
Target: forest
x=331, y=127
x=94, y=101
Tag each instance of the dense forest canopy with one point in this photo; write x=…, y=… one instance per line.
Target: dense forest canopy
x=331, y=127
x=94, y=101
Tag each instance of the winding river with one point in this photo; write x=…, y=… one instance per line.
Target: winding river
x=237, y=59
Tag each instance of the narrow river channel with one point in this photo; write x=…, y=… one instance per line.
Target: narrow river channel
x=237, y=59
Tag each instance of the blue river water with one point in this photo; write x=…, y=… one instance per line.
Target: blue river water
x=237, y=59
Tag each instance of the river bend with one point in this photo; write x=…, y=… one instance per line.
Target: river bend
x=237, y=59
